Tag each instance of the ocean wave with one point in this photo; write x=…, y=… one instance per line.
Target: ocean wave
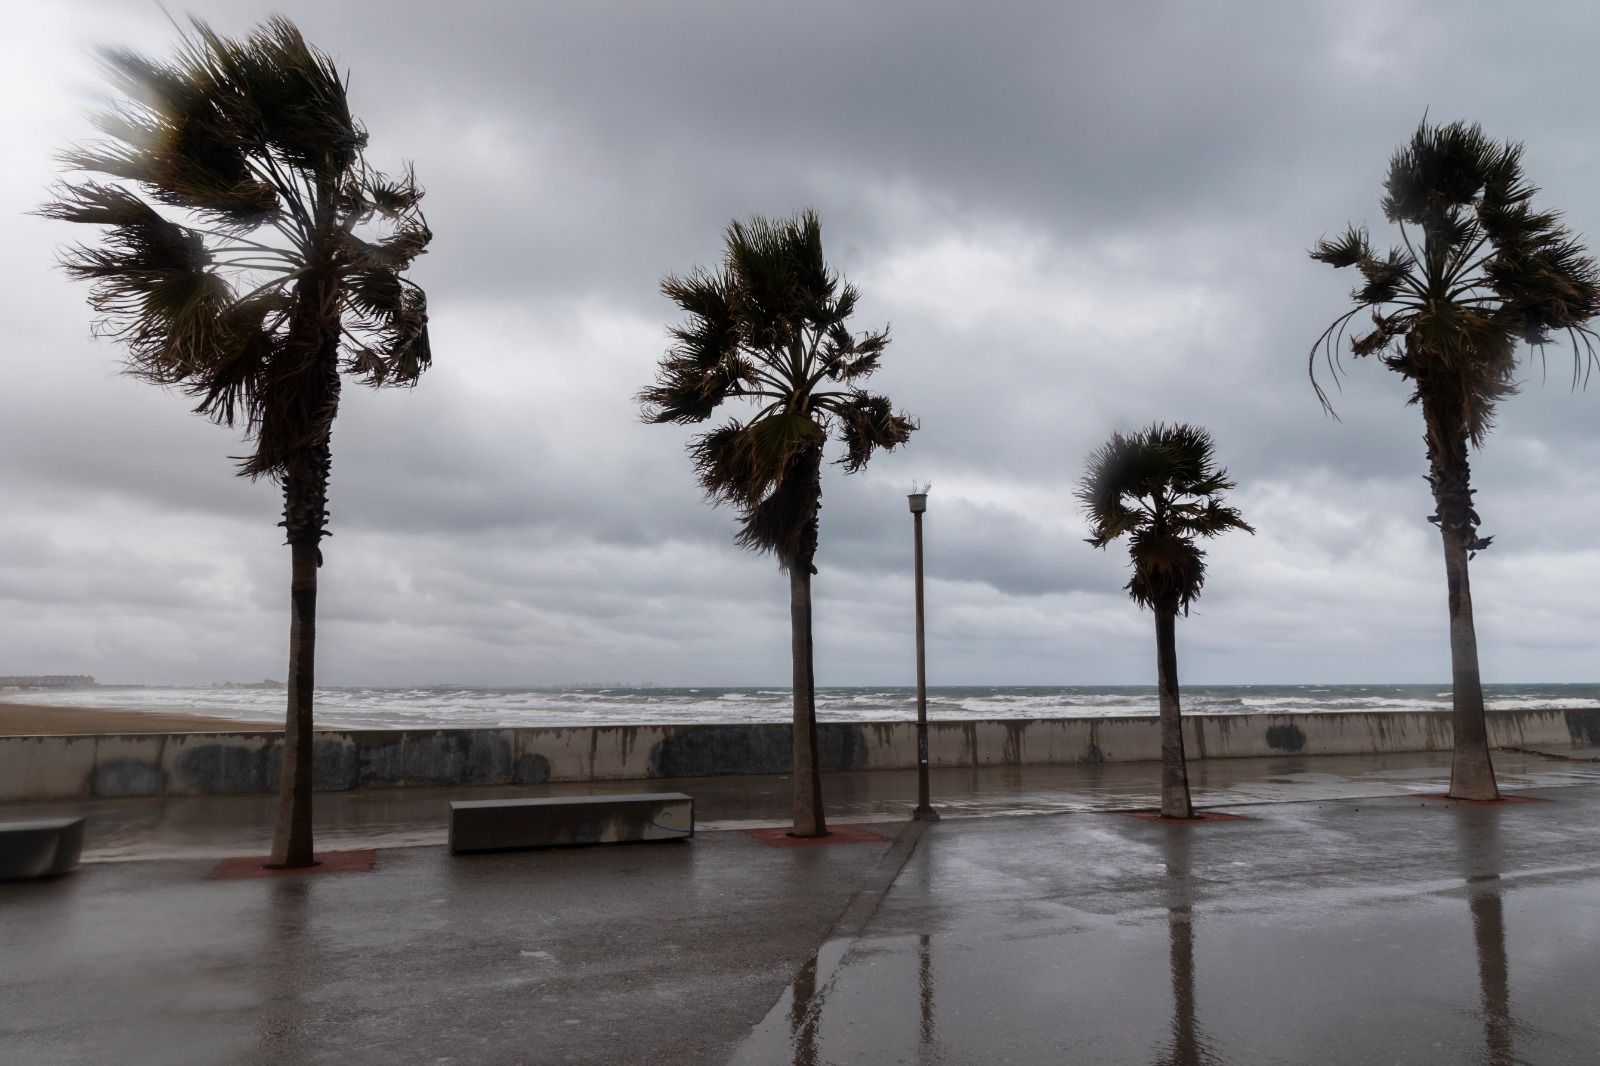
x=377, y=708
x=1531, y=703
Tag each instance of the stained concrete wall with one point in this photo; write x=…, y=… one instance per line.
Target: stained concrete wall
x=190, y=764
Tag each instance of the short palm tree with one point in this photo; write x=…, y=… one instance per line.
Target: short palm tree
x=769, y=327
x=1160, y=487
x=1477, y=274
x=251, y=258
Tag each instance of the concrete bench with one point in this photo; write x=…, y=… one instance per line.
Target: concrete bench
x=496, y=825
x=42, y=848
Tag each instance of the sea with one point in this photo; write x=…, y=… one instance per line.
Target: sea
x=477, y=707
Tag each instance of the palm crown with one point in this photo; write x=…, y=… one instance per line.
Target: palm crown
x=1160, y=487
x=770, y=326
x=1478, y=271
x=272, y=268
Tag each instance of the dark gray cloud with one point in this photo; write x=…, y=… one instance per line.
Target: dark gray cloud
x=1076, y=220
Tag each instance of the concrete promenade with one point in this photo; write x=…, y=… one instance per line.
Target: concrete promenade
x=1344, y=918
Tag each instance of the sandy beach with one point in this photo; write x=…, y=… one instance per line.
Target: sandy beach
x=19, y=719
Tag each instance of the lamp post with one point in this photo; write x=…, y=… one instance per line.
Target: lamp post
x=924, y=811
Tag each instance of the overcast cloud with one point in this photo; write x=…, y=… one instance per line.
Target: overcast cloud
x=1075, y=220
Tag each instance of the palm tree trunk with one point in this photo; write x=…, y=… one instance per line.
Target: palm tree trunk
x=291, y=836
x=305, y=517
x=1450, y=476
x=1471, y=769
x=805, y=769
x=1174, y=772
x=806, y=775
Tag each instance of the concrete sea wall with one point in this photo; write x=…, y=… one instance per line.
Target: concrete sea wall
x=197, y=764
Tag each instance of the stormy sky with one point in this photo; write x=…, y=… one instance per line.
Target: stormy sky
x=1075, y=218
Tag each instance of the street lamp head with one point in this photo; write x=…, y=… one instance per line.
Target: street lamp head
x=918, y=498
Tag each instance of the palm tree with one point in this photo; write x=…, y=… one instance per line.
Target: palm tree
x=1159, y=486
x=1477, y=272
x=251, y=257
x=769, y=327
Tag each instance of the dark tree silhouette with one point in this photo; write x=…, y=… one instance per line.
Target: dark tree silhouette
x=770, y=327
x=1160, y=488
x=1478, y=274
x=251, y=257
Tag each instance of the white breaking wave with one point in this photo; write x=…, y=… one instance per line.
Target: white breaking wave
x=456, y=707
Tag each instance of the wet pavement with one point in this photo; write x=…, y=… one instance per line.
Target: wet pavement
x=1384, y=931
x=663, y=953
x=1344, y=918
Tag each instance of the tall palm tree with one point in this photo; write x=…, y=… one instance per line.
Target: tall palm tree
x=769, y=327
x=252, y=257
x=1159, y=487
x=1477, y=273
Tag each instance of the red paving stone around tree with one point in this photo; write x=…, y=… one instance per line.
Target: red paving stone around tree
x=358, y=860
x=779, y=837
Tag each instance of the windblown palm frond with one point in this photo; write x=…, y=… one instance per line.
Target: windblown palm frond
x=1478, y=271
x=247, y=242
x=769, y=326
x=1161, y=488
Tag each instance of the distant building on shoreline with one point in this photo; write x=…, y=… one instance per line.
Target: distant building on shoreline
x=47, y=681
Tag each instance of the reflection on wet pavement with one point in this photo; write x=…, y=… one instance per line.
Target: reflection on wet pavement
x=1479, y=845
x=802, y=1019
x=290, y=953
x=1189, y=1045
x=1397, y=931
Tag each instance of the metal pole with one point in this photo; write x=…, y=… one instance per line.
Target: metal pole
x=924, y=811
